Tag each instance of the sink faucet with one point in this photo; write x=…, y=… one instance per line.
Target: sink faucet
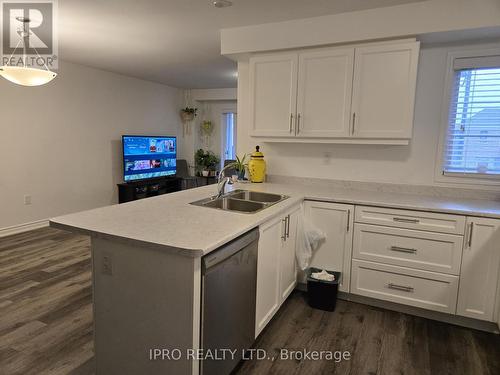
x=222, y=181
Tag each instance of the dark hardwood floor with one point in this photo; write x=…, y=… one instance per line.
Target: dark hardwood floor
x=46, y=324
x=45, y=303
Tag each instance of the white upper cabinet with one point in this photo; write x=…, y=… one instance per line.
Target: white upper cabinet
x=273, y=94
x=384, y=91
x=324, y=93
x=352, y=94
x=480, y=269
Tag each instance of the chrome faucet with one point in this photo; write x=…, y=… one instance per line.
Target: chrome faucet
x=222, y=181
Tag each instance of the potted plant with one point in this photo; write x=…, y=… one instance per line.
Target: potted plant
x=206, y=162
x=240, y=165
x=212, y=161
x=188, y=114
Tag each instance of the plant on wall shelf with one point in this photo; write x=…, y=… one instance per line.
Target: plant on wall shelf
x=188, y=114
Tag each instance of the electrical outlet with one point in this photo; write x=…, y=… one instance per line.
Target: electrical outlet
x=107, y=265
x=27, y=200
x=327, y=158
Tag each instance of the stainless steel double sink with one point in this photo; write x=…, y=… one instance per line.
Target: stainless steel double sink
x=242, y=201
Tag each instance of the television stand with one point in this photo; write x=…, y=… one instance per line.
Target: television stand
x=134, y=190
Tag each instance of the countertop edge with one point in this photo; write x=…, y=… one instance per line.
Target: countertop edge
x=191, y=253
x=437, y=210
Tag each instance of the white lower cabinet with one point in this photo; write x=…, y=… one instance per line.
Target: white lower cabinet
x=440, y=262
x=424, y=289
x=288, y=268
x=268, y=274
x=429, y=251
x=479, y=277
x=276, y=269
x=497, y=310
x=336, y=221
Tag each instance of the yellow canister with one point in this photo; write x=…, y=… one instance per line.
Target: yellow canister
x=257, y=166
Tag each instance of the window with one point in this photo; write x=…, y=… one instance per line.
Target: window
x=229, y=136
x=473, y=135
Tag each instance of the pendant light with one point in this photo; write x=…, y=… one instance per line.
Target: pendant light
x=25, y=75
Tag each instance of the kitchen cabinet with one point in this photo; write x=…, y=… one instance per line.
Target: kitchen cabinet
x=276, y=267
x=336, y=221
x=429, y=251
x=384, y=90
x=273, y=88
x=480, y=269
x=333, y=94
x=408, y=286
x=324, y=93
x=288, y=267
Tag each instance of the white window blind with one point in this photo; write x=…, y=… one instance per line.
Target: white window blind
x=473, y=137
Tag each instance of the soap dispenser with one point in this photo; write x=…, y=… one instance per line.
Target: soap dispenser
x=257, y=166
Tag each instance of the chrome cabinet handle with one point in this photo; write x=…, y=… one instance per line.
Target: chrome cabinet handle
x=283, y=237
x=291, y=122
x=403, y=288
x=471, y=229
x=288, y=226
x=298, y=123
x=405, y=220
x=403, y=249
x=353, y=122
x=348, y=220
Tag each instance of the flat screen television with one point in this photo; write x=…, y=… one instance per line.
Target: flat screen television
x=146, y=157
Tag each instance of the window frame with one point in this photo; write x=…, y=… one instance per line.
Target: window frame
x=458, y=178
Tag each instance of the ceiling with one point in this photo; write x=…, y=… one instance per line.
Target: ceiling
x=175, y=42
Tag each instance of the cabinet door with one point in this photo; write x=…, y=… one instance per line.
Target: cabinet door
x=268, y=268
x=336, y=221
x=288, y=269
x=273, y=94
x=480, y=269
x=384, y=90
x=324, y=93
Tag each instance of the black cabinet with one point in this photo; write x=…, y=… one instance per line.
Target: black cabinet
x=132, y=191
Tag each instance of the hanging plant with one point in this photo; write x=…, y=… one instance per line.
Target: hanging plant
x=207, y=128
x=188, y=114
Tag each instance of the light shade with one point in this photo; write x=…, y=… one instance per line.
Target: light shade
x=27, y=76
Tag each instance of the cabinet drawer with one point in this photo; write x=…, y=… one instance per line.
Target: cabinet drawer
x=429, y=221
x=427, y=290
x=409, y=248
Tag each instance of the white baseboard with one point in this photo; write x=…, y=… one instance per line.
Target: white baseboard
x=20, y=228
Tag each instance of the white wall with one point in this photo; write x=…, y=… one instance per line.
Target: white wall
x=212, y=111
x=214, y=94
x=413, y=164
x=61, y=143
x=211, y=103
x=380, y=23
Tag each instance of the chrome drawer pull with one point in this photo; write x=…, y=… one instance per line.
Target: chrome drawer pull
x=285, y=220
x=403, y=249
x=403, y=288
x=405, y=220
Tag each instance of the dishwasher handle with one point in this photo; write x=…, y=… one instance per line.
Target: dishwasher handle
x=229, y=249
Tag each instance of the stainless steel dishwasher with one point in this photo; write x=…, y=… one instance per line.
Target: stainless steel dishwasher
x=228, y=302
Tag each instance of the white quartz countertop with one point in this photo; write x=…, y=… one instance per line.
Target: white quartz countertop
x=171, y=223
